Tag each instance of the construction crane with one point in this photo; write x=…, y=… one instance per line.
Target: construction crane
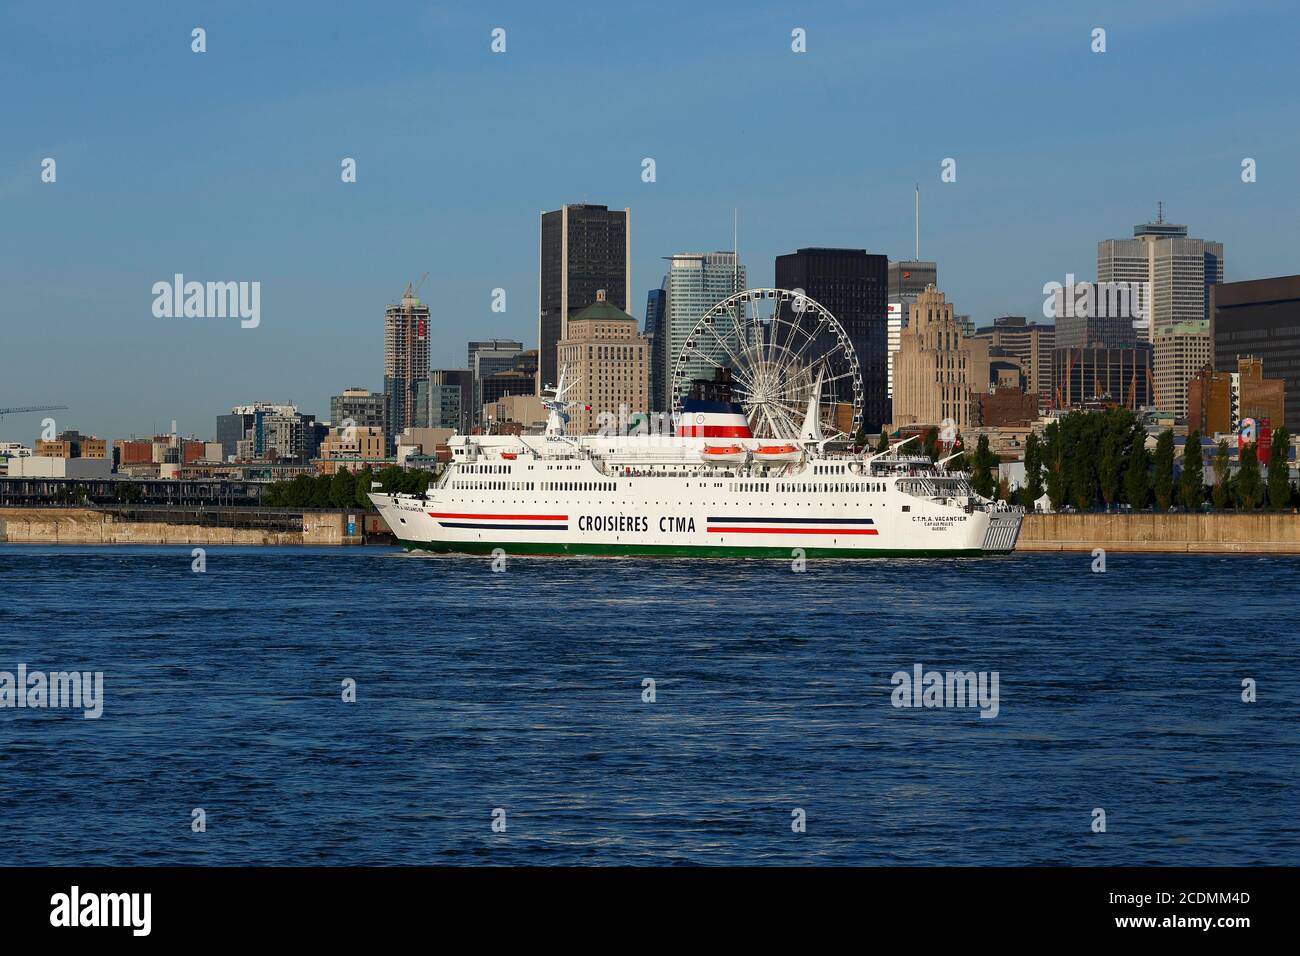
x=412, y=288
x=31, y=408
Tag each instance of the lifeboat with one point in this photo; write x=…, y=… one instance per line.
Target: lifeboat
x=723, y=453
x=786, y=452
x=509, y=455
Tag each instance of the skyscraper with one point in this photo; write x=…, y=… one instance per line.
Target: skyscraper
x=1031, y=343
x=938, y=372
x=909, y=277
x=695, y=283
x=853, y=286
x=655, y=335
x=1179, y=271
x=1181, y=350
x=406, y=361
x=582, y=248
x=486, y=358
x=610, y=366
x=1261, y=318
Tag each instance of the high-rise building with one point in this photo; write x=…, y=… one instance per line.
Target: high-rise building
x=910, y=278
x=263, y=430
x=446, y=399
x=1096, y=314
x=582, y=248
x=1178, y=271
x=852, y=285
x=907, y=280
x=1218, y=401
x=1261, y=318
x=695, y=283
x=656, y=337
x=364, y=408
x=406, y=361
x=1031, y=343
x=519, y=379
x=1180, y=351
x=1100, y=375
x=609, y=364
x=487, y=358
x=939, y=372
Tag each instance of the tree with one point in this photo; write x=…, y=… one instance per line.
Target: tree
x=362, y=490
x=1249, y=490
x=1033, y=487
x=882, y=445
x=1110, y=469
x=1162, y=482
x=1137, y=474
x=981, y=474
x=930, y=444
x=961, y=462
x=860, y=439
x=343, y=489
x=1279, y=471
x=1222, y=469
x=1054, y=462
x=1192, y=484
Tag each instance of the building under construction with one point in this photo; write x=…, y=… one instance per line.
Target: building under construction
x=406, y=361
x=1098, y=375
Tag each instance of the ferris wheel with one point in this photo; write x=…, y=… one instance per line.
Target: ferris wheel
x=780, y=348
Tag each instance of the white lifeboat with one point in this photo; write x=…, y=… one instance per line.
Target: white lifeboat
x=731, y=454
x=785, y=452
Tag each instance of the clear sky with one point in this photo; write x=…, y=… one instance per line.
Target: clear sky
x=225, y=165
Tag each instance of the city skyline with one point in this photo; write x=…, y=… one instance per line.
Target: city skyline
x=242, y=195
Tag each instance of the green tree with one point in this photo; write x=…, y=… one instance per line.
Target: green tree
x=1054, y=463
x=364, y=477
x=1137, y=473
x=1249, y=489
x=298, y=494
x=1110, y=469
x=343, y=489
x=1032, y=489
x=930, y=444
x=1279, y=471
x=860, y=439
x=981, y=473
x=882, y=445
x=1222, y=469
x=1162, y=482
x=1192, y=481
x=961, y=462
x=320, y=491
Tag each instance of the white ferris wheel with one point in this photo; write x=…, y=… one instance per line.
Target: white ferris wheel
x=780, y=348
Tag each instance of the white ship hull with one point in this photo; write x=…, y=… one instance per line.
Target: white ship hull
x=624, y=497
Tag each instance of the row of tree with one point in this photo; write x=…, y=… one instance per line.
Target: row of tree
x=1088, y=460
x=1091, y=459
x=343, y=489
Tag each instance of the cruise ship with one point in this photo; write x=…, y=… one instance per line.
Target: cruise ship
x=710, y=488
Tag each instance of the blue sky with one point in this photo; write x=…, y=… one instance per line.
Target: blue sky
x=225, y=165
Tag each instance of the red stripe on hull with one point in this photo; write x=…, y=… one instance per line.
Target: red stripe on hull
x=795, y=530
x=448, y=514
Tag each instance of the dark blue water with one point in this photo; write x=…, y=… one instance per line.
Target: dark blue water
x=522, y=690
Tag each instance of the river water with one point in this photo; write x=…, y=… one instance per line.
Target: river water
x=520, y=697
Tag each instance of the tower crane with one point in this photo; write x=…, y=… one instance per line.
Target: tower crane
x=30, y=408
